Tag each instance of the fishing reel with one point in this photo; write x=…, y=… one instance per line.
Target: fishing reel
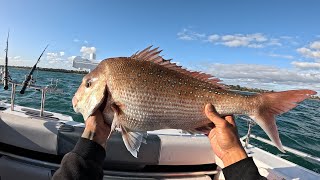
x=31, y=82
x=53, y=87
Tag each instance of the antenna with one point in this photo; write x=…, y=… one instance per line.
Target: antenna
x=26, y=82
x=5, y=79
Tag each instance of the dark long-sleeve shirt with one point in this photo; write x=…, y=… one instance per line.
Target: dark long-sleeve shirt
x=85, y=161
x=242, y=170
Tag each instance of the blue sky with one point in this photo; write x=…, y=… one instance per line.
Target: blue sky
x=266, y=44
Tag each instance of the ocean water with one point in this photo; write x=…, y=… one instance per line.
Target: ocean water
x=298, y=128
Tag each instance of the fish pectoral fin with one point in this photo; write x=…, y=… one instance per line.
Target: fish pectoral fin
x=144, y=139
x=205, y=129
x=115, y=121
x=192, y=132
x=133, y=140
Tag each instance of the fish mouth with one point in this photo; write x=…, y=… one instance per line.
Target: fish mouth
x=76, y=109
x=74, y=104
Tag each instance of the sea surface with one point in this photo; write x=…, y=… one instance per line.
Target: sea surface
x=298, y=128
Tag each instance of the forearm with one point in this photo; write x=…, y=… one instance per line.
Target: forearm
x=233, y=156
x=95, y=136
x=85, y=161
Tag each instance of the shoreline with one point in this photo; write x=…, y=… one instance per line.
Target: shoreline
x=256, y=90
x=50, y=69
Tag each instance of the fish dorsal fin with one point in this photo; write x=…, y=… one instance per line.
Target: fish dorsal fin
x=153, y=55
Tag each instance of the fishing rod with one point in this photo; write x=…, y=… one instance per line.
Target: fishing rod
x=6, y=73
x=26, y=81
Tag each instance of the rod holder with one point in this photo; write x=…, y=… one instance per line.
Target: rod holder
x=250, y=125
x=43, y=99
x=13, y=93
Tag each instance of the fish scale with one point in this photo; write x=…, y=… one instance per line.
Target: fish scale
x=146, y=92
x=182, y=98
x=164, y=111
x=167, y=104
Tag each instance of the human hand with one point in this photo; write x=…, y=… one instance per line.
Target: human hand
x=224, y=138
x=96, y=129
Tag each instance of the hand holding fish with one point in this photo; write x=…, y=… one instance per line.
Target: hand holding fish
x=96, y=129
x=224, y=138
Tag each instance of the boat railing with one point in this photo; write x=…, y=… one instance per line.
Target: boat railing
x=44, y=89
x=27, y=83
x=246, y=139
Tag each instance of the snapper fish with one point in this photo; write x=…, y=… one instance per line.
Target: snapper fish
x=145, y=92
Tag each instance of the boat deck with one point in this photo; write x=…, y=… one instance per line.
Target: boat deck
x=174, y=148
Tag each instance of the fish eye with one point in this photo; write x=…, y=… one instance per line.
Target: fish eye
x=88, y=84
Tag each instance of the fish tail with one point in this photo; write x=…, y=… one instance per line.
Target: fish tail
x=276, y=103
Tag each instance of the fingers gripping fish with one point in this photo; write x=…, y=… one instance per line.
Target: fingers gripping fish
x=145, y=92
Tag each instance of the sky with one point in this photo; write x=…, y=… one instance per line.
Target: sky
x=270, y=44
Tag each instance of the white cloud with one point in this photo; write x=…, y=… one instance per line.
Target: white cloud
x=306, y=65
x=311, y=51
x=234, y=40
x=86, y=51
x=18, y=61
x=71, y=58
x=17, y=58
x=256, y=45
x=190, y=35
x=287, y=37
x=255, y=40
x=265, y=77
x=76, y=40
x=51, y=56
x=59, y=60
x=213, y=38
x=235, y=43
x=274, y=42
x=14, y=61
x=290, y=40
x=56, y=60
x=315, y=45
x=281, y=56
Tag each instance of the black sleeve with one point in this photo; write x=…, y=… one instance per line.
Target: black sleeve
x=83, y=162
x=244, y=169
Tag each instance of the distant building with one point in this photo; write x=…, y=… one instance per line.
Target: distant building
x=93, y=56
x=85, y=64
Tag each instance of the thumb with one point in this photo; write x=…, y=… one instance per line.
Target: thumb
x=213, y=115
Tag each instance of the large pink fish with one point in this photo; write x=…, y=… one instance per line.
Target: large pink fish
x=144, y=92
